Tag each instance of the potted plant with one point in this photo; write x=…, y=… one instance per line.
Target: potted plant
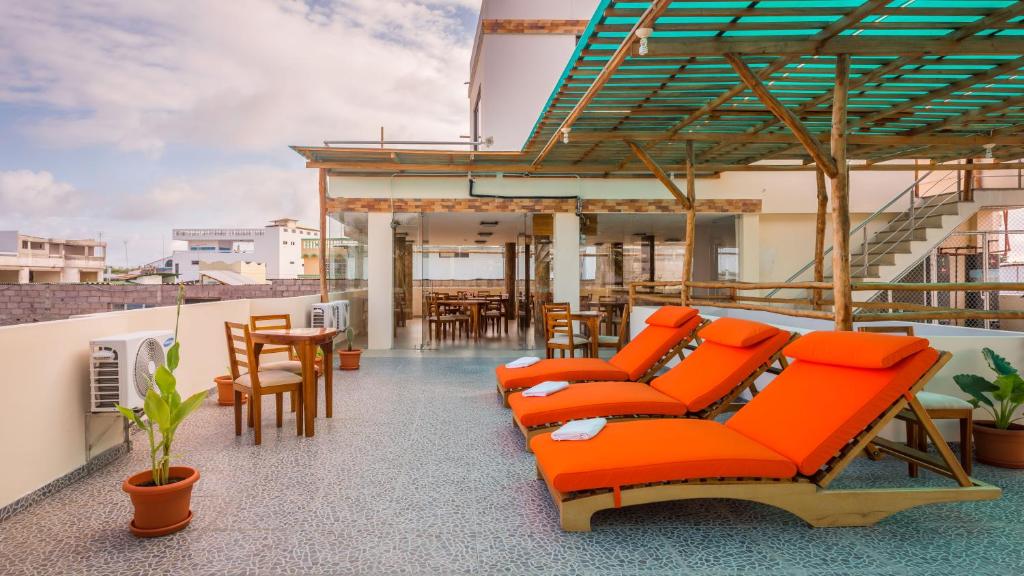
x=162, y=495
x=999, y=441
x=349, y=359
x=225, y=390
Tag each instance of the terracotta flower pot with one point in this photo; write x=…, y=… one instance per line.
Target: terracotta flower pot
x=225, y=393
x=998, y=447
x=161, y=510
x=349, y=359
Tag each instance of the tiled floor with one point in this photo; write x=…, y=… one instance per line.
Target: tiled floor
x=421, y=472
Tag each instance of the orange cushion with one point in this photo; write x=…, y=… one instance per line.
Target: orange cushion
x=737, y=332
x=571, y=369
x=812, y=410
x=671, y=316
x=594, y=399
x=640, y=451
x=637, y=357
x=855, y=349
x=713, y=370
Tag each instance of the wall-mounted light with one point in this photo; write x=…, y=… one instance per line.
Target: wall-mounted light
x=565, y=134
x=643, y=34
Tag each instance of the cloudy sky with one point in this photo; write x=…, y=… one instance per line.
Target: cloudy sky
x=129, y=118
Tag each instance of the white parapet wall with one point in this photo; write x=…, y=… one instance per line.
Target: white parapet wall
x=964, y=343
x=44, y=388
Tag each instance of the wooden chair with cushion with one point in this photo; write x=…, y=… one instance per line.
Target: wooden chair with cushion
x=560, y=333
x=939, y=407
x=291, y=362
x=619, y=340
x=257, y=383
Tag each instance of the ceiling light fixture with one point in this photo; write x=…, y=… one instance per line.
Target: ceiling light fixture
x=988, y=150
x=643, y=34
x=565, y=134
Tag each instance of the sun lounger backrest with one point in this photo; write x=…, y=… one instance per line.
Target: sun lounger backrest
x=837, y=385
x=665, y=328
x=731, y=350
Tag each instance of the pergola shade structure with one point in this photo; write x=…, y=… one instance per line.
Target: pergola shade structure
x=656, y=88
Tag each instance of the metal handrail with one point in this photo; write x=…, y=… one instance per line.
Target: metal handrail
x=862, y=227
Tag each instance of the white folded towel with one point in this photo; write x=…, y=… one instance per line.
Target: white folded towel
x=579, y=429
x=546, y=388
x=523, y=362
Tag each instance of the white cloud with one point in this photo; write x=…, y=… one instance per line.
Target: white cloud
x=250, y=76
x=26, y=194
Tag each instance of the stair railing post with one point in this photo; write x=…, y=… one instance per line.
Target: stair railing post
x=912, y=196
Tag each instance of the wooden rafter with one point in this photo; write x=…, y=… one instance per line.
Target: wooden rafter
x=860, y=45
x=660, y=174
x=646, y=20
x=814, y=146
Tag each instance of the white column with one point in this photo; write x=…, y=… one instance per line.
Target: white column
x=24, y=275
x=748, y=237
x=565, y=261
x=380, y=281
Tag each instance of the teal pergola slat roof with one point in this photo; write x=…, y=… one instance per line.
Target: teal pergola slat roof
x=937, y=79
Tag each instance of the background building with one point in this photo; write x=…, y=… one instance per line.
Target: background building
x=36, y=260
x=278, y=246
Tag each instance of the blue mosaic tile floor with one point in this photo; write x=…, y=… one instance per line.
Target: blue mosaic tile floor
x=421, y=472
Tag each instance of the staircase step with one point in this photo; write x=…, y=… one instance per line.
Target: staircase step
x=933, y=221
x=936, y=210
x=856, y=260
x=918, y=234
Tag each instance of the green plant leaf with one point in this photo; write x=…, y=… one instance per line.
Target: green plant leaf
x=997, y=363
x=1004, y=387
x=976, y=386
x=165, y=381
x=174, y=356
x=131, y=416
x=187, y=407
x=157, y=410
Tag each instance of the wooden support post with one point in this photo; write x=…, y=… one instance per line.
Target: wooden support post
x=967, y=194
x=819, y=236
x=691, y=223
x=323, y=235
x=841, y=292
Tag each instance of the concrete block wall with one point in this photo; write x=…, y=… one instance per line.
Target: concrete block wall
x=27, y=303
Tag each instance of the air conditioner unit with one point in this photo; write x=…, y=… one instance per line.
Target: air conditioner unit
x=330, y=315
x=122, y=368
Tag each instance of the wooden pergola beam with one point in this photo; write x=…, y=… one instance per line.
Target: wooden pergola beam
x=860, y=45
x=691, y=223
x=660, y=174
x=814, y=146
x=607, y=71
x=919, y=139
x=819, y=235
x=324, y=235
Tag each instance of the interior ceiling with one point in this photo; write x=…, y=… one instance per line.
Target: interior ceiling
x=462, y=229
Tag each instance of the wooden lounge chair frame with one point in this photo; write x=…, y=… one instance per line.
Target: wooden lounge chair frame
x=676, y=350
x=724, y=404
x=806, y=497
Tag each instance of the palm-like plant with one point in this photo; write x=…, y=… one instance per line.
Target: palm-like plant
x=1000, y=398
x=164, y=408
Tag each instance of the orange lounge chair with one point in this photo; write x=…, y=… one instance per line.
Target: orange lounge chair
x=668, y=331
x=782, y=449
x=732, y=354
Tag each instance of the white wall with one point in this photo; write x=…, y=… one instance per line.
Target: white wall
x=44, y=392
x=565, y=260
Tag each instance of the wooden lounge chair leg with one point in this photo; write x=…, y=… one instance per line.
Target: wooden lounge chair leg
x=279, y=405
x=966, y=443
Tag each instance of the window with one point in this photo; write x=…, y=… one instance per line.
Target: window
x=24, y=244
x=195, y=262
x=284, y=242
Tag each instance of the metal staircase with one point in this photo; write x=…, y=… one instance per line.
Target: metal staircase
x=881, y=249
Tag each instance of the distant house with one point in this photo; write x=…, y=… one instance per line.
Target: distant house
x=278, y=246
x=28, y=259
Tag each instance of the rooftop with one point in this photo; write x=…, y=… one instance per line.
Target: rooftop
x=420, y=471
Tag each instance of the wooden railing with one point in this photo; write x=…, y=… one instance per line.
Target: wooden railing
x=731, y=295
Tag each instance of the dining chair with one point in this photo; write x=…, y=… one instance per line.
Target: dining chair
x=619, y=340
x=559, y=331
x=257, y=383
x=291, y=363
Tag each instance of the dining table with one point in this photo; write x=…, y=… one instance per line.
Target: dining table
x=305, y=341
x=474, y=305
x=592, y=318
